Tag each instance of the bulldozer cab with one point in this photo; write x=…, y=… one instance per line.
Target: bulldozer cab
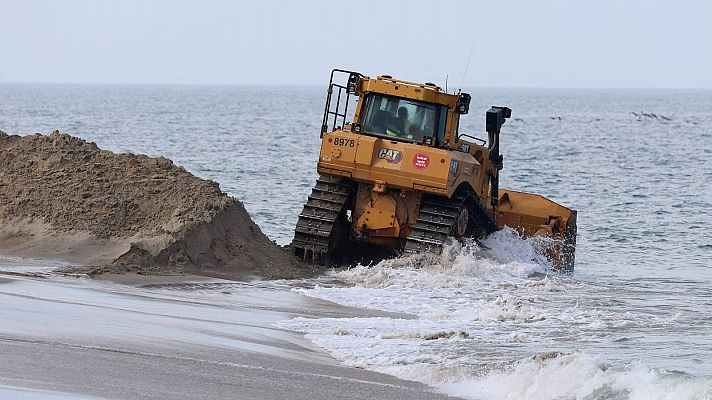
x=394, y=109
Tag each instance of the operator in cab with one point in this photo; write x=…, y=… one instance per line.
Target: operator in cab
x=399, y=125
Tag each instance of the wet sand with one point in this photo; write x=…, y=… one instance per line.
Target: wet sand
x=172, y=337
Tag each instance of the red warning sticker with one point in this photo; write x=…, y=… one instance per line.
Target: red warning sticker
x=421, y=161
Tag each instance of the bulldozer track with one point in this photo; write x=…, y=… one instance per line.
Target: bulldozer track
x=436, y=220
x=318, y=220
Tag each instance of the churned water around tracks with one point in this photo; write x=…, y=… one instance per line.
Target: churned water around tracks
x=633, y=322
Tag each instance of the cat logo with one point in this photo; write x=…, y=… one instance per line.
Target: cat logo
x=390, y=155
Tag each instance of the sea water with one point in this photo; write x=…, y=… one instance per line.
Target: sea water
x=488, y=320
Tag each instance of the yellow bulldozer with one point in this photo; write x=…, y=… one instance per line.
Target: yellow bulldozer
x=400, y=177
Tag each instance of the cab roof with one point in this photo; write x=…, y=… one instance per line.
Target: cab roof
x=385, y=84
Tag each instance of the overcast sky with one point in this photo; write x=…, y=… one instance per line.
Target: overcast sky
x=542, y=43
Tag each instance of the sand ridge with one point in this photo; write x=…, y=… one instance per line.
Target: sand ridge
x=63, y=196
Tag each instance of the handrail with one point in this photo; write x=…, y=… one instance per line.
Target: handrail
x=330, y=92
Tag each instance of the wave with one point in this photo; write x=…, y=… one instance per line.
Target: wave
x=580, y=376
x=491, y=320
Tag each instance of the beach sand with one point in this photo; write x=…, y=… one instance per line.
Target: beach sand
x=133, y=336
x=99, y=297
x=64, y=198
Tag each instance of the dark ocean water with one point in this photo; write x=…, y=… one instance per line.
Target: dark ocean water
x=642, y=187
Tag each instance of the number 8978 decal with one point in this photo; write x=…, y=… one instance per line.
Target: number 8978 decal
x=344, y=142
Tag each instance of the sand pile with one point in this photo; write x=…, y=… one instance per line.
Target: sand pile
x=62, y=197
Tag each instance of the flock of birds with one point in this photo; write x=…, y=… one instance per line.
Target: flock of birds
x=640, y=115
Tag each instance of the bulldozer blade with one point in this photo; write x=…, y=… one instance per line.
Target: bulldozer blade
x=533, y=215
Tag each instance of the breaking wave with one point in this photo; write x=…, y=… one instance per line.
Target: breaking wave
x=492, y=321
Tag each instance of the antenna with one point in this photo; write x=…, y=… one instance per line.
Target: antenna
x=466, y=66
x=445, y=83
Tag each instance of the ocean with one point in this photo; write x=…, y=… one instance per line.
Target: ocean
x=634, y=321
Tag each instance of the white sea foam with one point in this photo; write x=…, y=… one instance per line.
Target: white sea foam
x=431, y=353
x=580, y=376
x=475, y=316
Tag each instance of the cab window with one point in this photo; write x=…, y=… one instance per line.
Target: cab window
x=401, y=119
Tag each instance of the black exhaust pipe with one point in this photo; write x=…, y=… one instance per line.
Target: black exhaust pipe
x=495, y=118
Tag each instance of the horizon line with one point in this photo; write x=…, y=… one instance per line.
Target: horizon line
x=296, y=85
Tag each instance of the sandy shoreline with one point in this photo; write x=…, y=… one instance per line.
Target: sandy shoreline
x=180, y=337
x=144, y=326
